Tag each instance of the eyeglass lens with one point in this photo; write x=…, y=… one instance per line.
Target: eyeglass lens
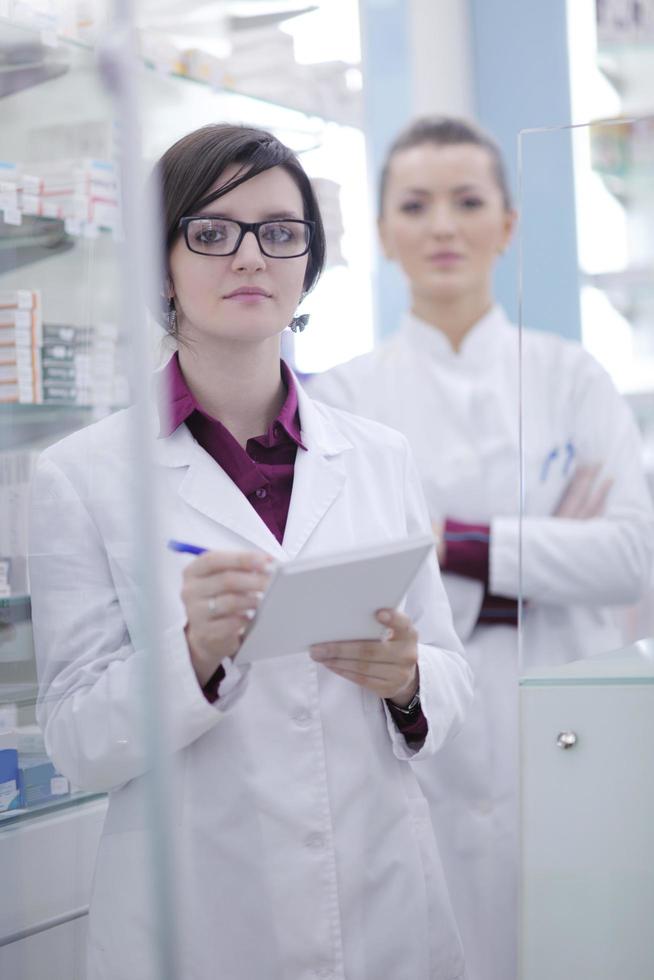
x=218, y=236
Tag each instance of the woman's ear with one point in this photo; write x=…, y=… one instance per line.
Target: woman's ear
x=510, y=221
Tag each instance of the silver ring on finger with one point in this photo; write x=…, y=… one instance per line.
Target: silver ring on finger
x=212, y=605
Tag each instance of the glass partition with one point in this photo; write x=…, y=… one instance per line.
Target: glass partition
x=80, y=682
x=585, y=565
x=587, y=396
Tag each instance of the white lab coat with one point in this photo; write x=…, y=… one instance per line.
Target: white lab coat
x=460, y=412
x=304, y=845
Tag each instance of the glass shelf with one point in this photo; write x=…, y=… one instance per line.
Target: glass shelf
x=631, y=665
x=634, y=277
x=628, y=186
x=224, y=89
x=10, y=818
x=25, y=694
x=58, y=411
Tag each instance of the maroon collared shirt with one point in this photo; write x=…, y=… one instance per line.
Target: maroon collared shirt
x=263, y=472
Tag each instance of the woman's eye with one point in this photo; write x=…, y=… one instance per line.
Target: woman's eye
x=471, y=203
x=278, y=233
x=412, y=207
x=215, y=233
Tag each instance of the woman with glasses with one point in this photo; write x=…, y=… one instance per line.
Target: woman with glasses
x=448, y=380
x=303, y=842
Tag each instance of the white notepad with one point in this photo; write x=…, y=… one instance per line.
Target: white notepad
x=322, y=600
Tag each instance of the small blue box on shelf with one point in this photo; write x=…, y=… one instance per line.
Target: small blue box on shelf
x=9, y=791
x=39, y=781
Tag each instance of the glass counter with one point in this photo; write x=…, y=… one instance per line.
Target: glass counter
x=587, y=582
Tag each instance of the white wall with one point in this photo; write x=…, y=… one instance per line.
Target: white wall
x=441, y=57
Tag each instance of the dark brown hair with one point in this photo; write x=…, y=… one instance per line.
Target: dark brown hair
x=190, y=167
x=446, y=131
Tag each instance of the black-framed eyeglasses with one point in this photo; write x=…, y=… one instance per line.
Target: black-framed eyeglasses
x=280, y=239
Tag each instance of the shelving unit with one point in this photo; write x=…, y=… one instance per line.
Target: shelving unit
x=612, y=84
x=56, y=109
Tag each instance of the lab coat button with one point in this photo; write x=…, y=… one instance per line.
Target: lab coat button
x=324, y=972
x=315, y=841
x=302, y=717
x=485, y=807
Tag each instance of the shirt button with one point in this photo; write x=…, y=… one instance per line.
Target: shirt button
x=261, y=493
x=315, y=842
x=302, y=717
x=324, y=972
x=276, y=431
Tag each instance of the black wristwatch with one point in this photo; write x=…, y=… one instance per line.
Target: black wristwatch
x=412, y=708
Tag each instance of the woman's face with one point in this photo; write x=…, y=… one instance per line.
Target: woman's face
x=444, y=220
x=245, y=297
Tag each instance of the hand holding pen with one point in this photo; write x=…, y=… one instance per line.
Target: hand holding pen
x=221, y=592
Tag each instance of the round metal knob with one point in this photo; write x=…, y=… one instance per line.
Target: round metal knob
x=566, y=740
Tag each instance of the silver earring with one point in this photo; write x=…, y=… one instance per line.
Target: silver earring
x=298, y=323
x=172, y=318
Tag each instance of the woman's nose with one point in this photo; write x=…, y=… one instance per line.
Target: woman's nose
x=442, y=221
x=249, y=254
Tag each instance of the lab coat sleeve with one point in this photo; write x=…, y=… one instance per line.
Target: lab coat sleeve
x=605, y=560
x=93, y=684
x=445, y=677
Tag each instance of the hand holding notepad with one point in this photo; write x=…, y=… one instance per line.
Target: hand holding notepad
x=332, y=598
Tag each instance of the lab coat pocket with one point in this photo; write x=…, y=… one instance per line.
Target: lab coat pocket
x=547, y=474
x=445, y=950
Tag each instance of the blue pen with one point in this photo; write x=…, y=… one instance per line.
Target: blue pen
x=188, y=549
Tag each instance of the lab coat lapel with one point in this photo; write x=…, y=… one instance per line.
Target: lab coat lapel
x=319, y=477
x=207, y=489
x=320, y=474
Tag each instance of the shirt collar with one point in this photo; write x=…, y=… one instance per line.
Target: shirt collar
x=477, y=345
x=177, y=403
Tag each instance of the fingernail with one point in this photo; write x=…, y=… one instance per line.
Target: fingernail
x=250, y=613
x=318, y=651
x=384, y=616
x=263, y=563
x=258, y=596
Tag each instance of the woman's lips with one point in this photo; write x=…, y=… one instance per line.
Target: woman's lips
x=445, y=259
x=247, y=295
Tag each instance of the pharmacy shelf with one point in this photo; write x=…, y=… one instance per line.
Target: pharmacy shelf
x=15, y=609
x=223, y=88
x=634, y=276
x=20, y=694
x=10, y=818
x=628, y=186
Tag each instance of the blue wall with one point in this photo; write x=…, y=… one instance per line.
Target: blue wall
x=387, y=107
x=520, y=62
x=522, y=81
